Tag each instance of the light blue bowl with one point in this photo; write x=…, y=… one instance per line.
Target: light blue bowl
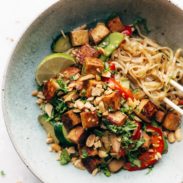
x=20, y=110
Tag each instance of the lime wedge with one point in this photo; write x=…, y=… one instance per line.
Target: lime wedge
x=52, y=65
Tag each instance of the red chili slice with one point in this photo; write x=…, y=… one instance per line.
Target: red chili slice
x=128, y=30
x=126, y=93
x=150, y=157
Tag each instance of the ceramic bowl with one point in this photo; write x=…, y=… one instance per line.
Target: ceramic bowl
x=20, y=111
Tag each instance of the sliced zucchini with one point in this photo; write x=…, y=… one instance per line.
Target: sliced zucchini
x=61, y=134
x=61, y=44
x=48, y=127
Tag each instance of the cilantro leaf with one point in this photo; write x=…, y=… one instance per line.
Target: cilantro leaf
x=64, y=157
x=63, y=86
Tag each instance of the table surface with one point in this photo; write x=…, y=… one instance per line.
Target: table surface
x=15, y=16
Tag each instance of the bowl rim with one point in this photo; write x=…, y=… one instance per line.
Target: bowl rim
x=5, y=117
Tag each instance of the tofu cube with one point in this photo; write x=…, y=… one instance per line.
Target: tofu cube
x=115, y=25
x=89, y=119
x=171, y=121
x=91, y=84
x=79, y=37
x=99, y=33
x=93, y=66
x=117, y=118
x=86, y=51
x=159, y=116
x=70, y=119
x=77, y=135
x=112, y=101
x=149, y=110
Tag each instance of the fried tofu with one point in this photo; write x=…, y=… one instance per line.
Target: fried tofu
x=50, y=88
x=77, y=135
x=115, y=25
x=91, y=84
x=99, y=32
x=159, y=116
x=149, y=110
x=171, y=121
x=86, y=51
x=112, y=100
x=117, y=118
x=92, y=66
x=79, y=37
x=70, y=71
x=89, y=119
x=70, y=119
x=139, y=94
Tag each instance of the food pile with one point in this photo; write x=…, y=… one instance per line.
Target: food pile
x=94, y=115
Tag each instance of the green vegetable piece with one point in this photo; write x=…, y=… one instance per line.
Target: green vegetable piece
x=98, y=133
x=165, y=150
x=63, y=86
x=2, y=173
x=105, y=170
x=64, y=157
x=110, y=43
x=47, y=125
x=61, y=44
x=61, y=134
x=84, y=154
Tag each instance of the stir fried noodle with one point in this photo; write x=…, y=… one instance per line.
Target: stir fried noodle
x=151, y=66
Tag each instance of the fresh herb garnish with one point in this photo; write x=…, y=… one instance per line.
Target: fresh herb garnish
x=126, y=110
x=83, y=99
x=98, y=132
x=105, y=170
x=64, y=157
x=149, y=170
x=83, y=92
x=133, y=159
x=84, y=154
x=2, y=173
x=142, y=22
x=63, y=86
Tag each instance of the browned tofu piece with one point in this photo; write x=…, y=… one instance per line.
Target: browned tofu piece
x=86, y=51
x=171, y=121
x=91, y=163
x=159, y=116
x=89, y=119
x=91, y=84
x=79, y=37
x=93, y=65
x=70, y=71
x=99, y=32
x=115, y=165
x=70, y=119
x=112, y=100
x=117, y=118
x=115, y=25
x=77, y=135
x=50, y=88
x=149, y=110
x=147, y=139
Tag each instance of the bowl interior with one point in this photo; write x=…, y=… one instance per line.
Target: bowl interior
x=20, y=111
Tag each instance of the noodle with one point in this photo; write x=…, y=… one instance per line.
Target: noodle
x=151, y=66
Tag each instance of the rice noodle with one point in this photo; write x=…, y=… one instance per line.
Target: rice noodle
x=151, y=66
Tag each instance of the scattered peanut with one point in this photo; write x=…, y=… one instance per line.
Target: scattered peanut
x=49, y=140
x=71, y=150
x=48, y=109
x=90, y=140
x=34, y=93
x=78, y=164
x=95, y=171
x=39, y=101
x=97, y=144
x=55, y=147
x=178, y=135
x=40, y=95
x=171, y=137
x=102, y=154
